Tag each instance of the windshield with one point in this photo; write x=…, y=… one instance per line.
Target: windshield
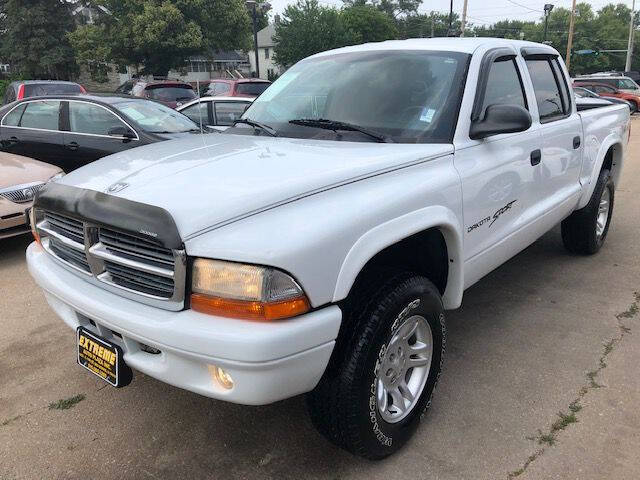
x=170, y=94
x=408, y=96
x=627, y=84
x=252, y=88
x=155, y=117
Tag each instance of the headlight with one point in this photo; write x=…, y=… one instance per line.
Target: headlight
x=56, y=177
x=245, y=291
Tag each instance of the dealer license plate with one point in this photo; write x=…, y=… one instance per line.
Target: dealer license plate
x=102, y=358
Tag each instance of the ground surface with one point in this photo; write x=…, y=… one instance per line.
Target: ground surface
x=547, y=333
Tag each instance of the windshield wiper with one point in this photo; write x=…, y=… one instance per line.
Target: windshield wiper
x=265, y=128
x=336, y=125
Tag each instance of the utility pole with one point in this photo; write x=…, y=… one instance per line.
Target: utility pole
x=464, y=18
x=450, y=18
x=627, y=66
x=567, y=59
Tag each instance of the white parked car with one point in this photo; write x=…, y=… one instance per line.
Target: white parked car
x=316, y=246
x=218, y=113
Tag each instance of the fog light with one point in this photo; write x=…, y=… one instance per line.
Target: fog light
x=221, y=377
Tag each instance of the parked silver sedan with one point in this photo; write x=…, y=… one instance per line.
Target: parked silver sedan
x=216, y=113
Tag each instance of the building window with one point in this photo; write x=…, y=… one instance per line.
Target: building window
x=266, y=53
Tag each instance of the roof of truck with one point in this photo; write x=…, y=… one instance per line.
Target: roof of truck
x=453, y=44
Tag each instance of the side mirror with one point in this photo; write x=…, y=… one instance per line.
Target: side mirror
x=500, y=119
x=123, y=132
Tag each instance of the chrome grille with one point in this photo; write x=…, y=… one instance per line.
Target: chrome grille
x=135, y=248
x=133, y=279
x=70, y=255
x=22, y=193
x=132, y=264
x=66, y=226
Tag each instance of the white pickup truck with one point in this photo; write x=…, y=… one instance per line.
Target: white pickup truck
x=315, y=246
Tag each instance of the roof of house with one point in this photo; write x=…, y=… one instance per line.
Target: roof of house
x=221, y=56
x=265, y=36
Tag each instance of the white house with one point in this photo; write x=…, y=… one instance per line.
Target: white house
x=265, y=53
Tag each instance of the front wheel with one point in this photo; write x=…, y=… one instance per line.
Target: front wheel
x=585, y=231
x=384, y=369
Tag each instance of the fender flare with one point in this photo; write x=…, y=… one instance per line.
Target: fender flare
x=609, y=142
x=386, y=234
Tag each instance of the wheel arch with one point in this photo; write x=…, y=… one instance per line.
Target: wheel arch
x=430, y=236
x=610, y=156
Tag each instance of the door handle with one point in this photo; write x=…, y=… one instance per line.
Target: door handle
x=13, y=140
x=536, y=157
x=576, y=143
x=72, y=146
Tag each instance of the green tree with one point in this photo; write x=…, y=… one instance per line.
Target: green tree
x=158, y=35
x=34, y=38
x=433, y=24
x=306, y=28
x=368, y=24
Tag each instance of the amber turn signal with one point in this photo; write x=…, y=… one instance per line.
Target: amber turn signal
x=32, y=222
x=249, y=310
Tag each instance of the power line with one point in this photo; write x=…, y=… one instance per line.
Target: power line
x=524, y=6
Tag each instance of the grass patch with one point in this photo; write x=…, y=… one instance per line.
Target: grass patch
x=548, y=438
x=575, y=406
x=592, y=379
x=564, y=421
x=67, y=403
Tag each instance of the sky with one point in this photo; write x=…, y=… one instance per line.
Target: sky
x=483, y=11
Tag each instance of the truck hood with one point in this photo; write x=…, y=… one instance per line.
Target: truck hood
x=207, y=181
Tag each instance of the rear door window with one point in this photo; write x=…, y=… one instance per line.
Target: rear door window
x=547, y=90
x=43, y=115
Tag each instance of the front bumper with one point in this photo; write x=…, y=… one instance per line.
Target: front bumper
x=268, y=361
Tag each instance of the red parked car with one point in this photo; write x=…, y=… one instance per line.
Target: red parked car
x=608, y=91
x=233, y=87
x=171, y=93
x=35, y=88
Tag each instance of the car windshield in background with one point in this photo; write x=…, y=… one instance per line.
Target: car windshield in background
x=38, y=89
x=155, y=117
x=171, y=93
x=627, y=83
x=407, y=96
x=252, y=88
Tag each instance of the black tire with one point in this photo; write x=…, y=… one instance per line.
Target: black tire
x=633, y=106
x=343, y=406
x=579, y=231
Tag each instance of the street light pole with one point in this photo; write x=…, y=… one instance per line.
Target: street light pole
x=547, y=11
x=253, y=7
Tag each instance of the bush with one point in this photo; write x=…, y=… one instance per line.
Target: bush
x=4, y=83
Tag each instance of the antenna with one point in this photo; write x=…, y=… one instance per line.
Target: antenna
x=199, y=105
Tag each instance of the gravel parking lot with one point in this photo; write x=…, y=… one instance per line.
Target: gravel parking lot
x=540, y=381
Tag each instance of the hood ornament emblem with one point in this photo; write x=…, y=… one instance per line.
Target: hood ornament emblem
x=117, y=187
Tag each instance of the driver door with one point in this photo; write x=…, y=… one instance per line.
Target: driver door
x=87, y=137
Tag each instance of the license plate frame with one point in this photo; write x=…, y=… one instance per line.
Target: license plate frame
x=102, y=358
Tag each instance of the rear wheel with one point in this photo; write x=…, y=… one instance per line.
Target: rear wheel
x=586, y=229
x=384, y=368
